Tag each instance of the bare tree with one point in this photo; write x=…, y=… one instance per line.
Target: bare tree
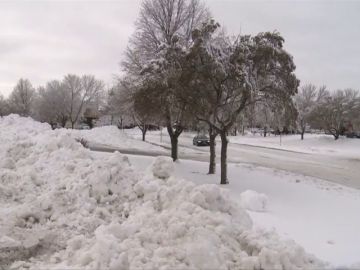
x=115, y=103
x=145, y=110
x=335, y=109
x=120, y=101
x=158, y=23
x=134, y=101
x=51, y=104
x=22, y=97
x=305, y=102
x=353, y=117
x=80, y=92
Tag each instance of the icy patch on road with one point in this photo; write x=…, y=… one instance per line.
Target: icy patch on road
x=62, y=209
x=254, y=201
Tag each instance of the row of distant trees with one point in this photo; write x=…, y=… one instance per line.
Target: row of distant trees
x=58, y=102
x=61, y=102
x=334, y=112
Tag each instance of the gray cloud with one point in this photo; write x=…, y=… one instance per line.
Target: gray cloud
x=43, y=40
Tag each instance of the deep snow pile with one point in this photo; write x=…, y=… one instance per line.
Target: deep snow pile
x=61, y=208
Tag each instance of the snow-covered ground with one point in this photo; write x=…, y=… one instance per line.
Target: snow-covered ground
x=111, y=135
x=319, y=215
x=65, y=207
x=312, y=143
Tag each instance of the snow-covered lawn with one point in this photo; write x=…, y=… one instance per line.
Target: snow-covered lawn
x=312, y=143
x=65, y=207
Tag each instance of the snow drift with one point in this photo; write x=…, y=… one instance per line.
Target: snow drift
x=62, y=208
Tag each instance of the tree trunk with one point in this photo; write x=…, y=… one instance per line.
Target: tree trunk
x=174, y=147
x=212, y=162
x=143, y=133
x=89, y=122
x=223, y=158
x=72, y=124
x=174, y=135
x=63, y=123
x=265, y=130
x=302, y=132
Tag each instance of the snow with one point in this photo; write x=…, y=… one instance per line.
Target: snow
x=64, y=208
x=111, y=135
x=312, y=143
x=163, y=167
x=319, y=215
x=254, y=201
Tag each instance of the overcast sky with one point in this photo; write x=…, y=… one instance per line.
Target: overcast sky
x=44, y=40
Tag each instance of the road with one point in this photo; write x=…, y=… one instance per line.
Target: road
x=345, y=171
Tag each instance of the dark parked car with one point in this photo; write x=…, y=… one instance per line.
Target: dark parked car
x=201, y=140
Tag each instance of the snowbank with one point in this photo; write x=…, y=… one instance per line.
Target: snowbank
x=60, y=208
x=254, y=201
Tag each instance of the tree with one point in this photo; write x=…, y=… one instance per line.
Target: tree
x=265, y=117
x=144, y=110
x=80, y=91
x=134, y=101
x=51, y=104
x=353, y=117
x=163, y=76
x=306, y=101
x=154, y=57
x=22, y=98
x=118, y=102
x=3, y=106
x=335, y=109
x=235, y=74
x=158, y=23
